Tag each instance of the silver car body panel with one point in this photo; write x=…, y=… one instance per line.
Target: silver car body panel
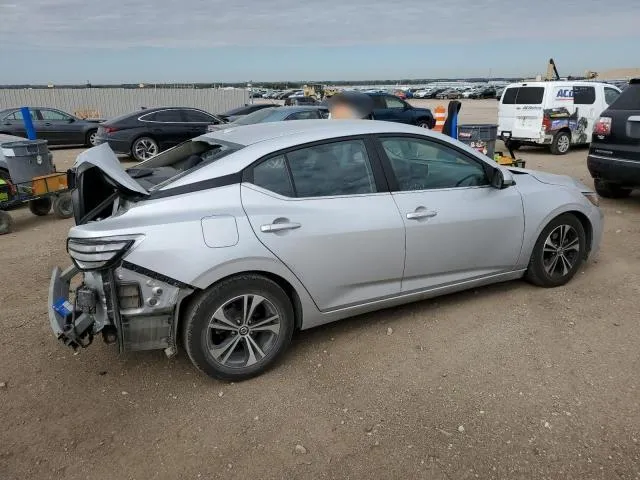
x=351, y=254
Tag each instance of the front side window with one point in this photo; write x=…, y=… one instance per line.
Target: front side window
x=424, y=165
x=394, y=102
x=584, y=95
x=54, y=115
x=196, y=116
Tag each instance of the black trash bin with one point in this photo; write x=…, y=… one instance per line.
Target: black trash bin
x=27, y=159
x=481, y=137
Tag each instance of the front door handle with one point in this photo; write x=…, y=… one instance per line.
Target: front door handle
x=420, y=214
x=279, y=227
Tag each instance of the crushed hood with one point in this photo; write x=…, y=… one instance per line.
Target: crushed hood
x=103, y=158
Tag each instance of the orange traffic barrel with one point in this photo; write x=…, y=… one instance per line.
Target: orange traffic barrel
x=440, y=114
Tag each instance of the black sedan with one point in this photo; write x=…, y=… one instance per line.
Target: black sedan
x=147, y=132
x=55, y=126
x=235, y=113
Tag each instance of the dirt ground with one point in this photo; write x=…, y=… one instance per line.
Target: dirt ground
x=509, y=381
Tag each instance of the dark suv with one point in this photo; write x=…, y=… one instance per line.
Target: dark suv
x=614, y=155
x=393, y=109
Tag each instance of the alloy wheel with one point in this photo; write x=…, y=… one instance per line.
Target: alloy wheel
x=145, y=149
x=564, y=143
x=561, y=251
x=92, y=139
x=243, y=331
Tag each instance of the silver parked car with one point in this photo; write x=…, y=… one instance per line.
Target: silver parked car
x=228, y=243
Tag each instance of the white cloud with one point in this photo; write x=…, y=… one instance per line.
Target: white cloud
x=216, y=23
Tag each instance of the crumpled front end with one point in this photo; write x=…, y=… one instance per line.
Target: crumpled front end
x=131, y=306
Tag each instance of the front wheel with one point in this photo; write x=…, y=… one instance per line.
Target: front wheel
x=558, y=252
x=238, y=328
x=425, y=123
x=610, y=190
x=561, y=143
x=144, y=148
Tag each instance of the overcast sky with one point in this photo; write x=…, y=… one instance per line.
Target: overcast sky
x=207, y=40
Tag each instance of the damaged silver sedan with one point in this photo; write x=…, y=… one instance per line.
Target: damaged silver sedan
x=227, y=244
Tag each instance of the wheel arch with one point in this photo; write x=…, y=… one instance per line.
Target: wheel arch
x=283, y=283
x=586, y=224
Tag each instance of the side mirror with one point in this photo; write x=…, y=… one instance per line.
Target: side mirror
x=71, y=120
x=502, y=178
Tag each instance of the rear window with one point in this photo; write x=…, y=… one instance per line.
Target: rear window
x=255, y=117
x=629, y=99
x=523, y=96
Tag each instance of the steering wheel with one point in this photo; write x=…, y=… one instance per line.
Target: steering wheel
x=471, y=176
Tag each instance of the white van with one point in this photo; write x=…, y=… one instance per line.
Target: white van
x=558, y=114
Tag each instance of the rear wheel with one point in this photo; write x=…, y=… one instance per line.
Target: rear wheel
x=144, y=148
x=63, y=206
x=558, y=252
x=561, y=143
x=610, y=190
x=6, y=223
x=239, y=327
x=40, y=207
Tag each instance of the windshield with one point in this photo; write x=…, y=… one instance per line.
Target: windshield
x=255, y=117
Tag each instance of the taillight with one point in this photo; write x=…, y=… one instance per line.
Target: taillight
x=109, y=129
x=602, y=126
x=546, y=123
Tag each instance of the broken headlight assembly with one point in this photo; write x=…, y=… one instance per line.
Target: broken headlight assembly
x=99, y=253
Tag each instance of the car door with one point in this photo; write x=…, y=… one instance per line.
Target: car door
x=60, y=128
x=13, y=123
x=198, y=121
x=325, y=212
x=458, y=227
x=397, y=110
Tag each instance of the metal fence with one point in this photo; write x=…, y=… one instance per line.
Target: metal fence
x=109, y=102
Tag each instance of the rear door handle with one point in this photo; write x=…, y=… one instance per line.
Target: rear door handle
x=421, y=214
x=279, y=227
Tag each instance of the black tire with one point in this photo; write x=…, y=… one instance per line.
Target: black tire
x=90, y=138
x=561, y=143
x=6, y=223
x=514, y=145
x=63, y=206
x=138, y=153
x=541, y=259
x=610, y=190
x=41, y=206
x=424, y=123
x=197, y=334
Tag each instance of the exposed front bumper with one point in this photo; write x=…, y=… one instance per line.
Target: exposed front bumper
x=137, y=310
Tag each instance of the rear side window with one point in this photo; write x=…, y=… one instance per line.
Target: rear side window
x=303, y=115
x=523, y=96
x=339, y=168
x=272, y=175
x=584, y=95
x=610, y=95
x=167, y=116
x=629, y=99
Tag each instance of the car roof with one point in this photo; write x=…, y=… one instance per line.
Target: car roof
x=555, y=83
x=263, y=139
x=293, y=131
